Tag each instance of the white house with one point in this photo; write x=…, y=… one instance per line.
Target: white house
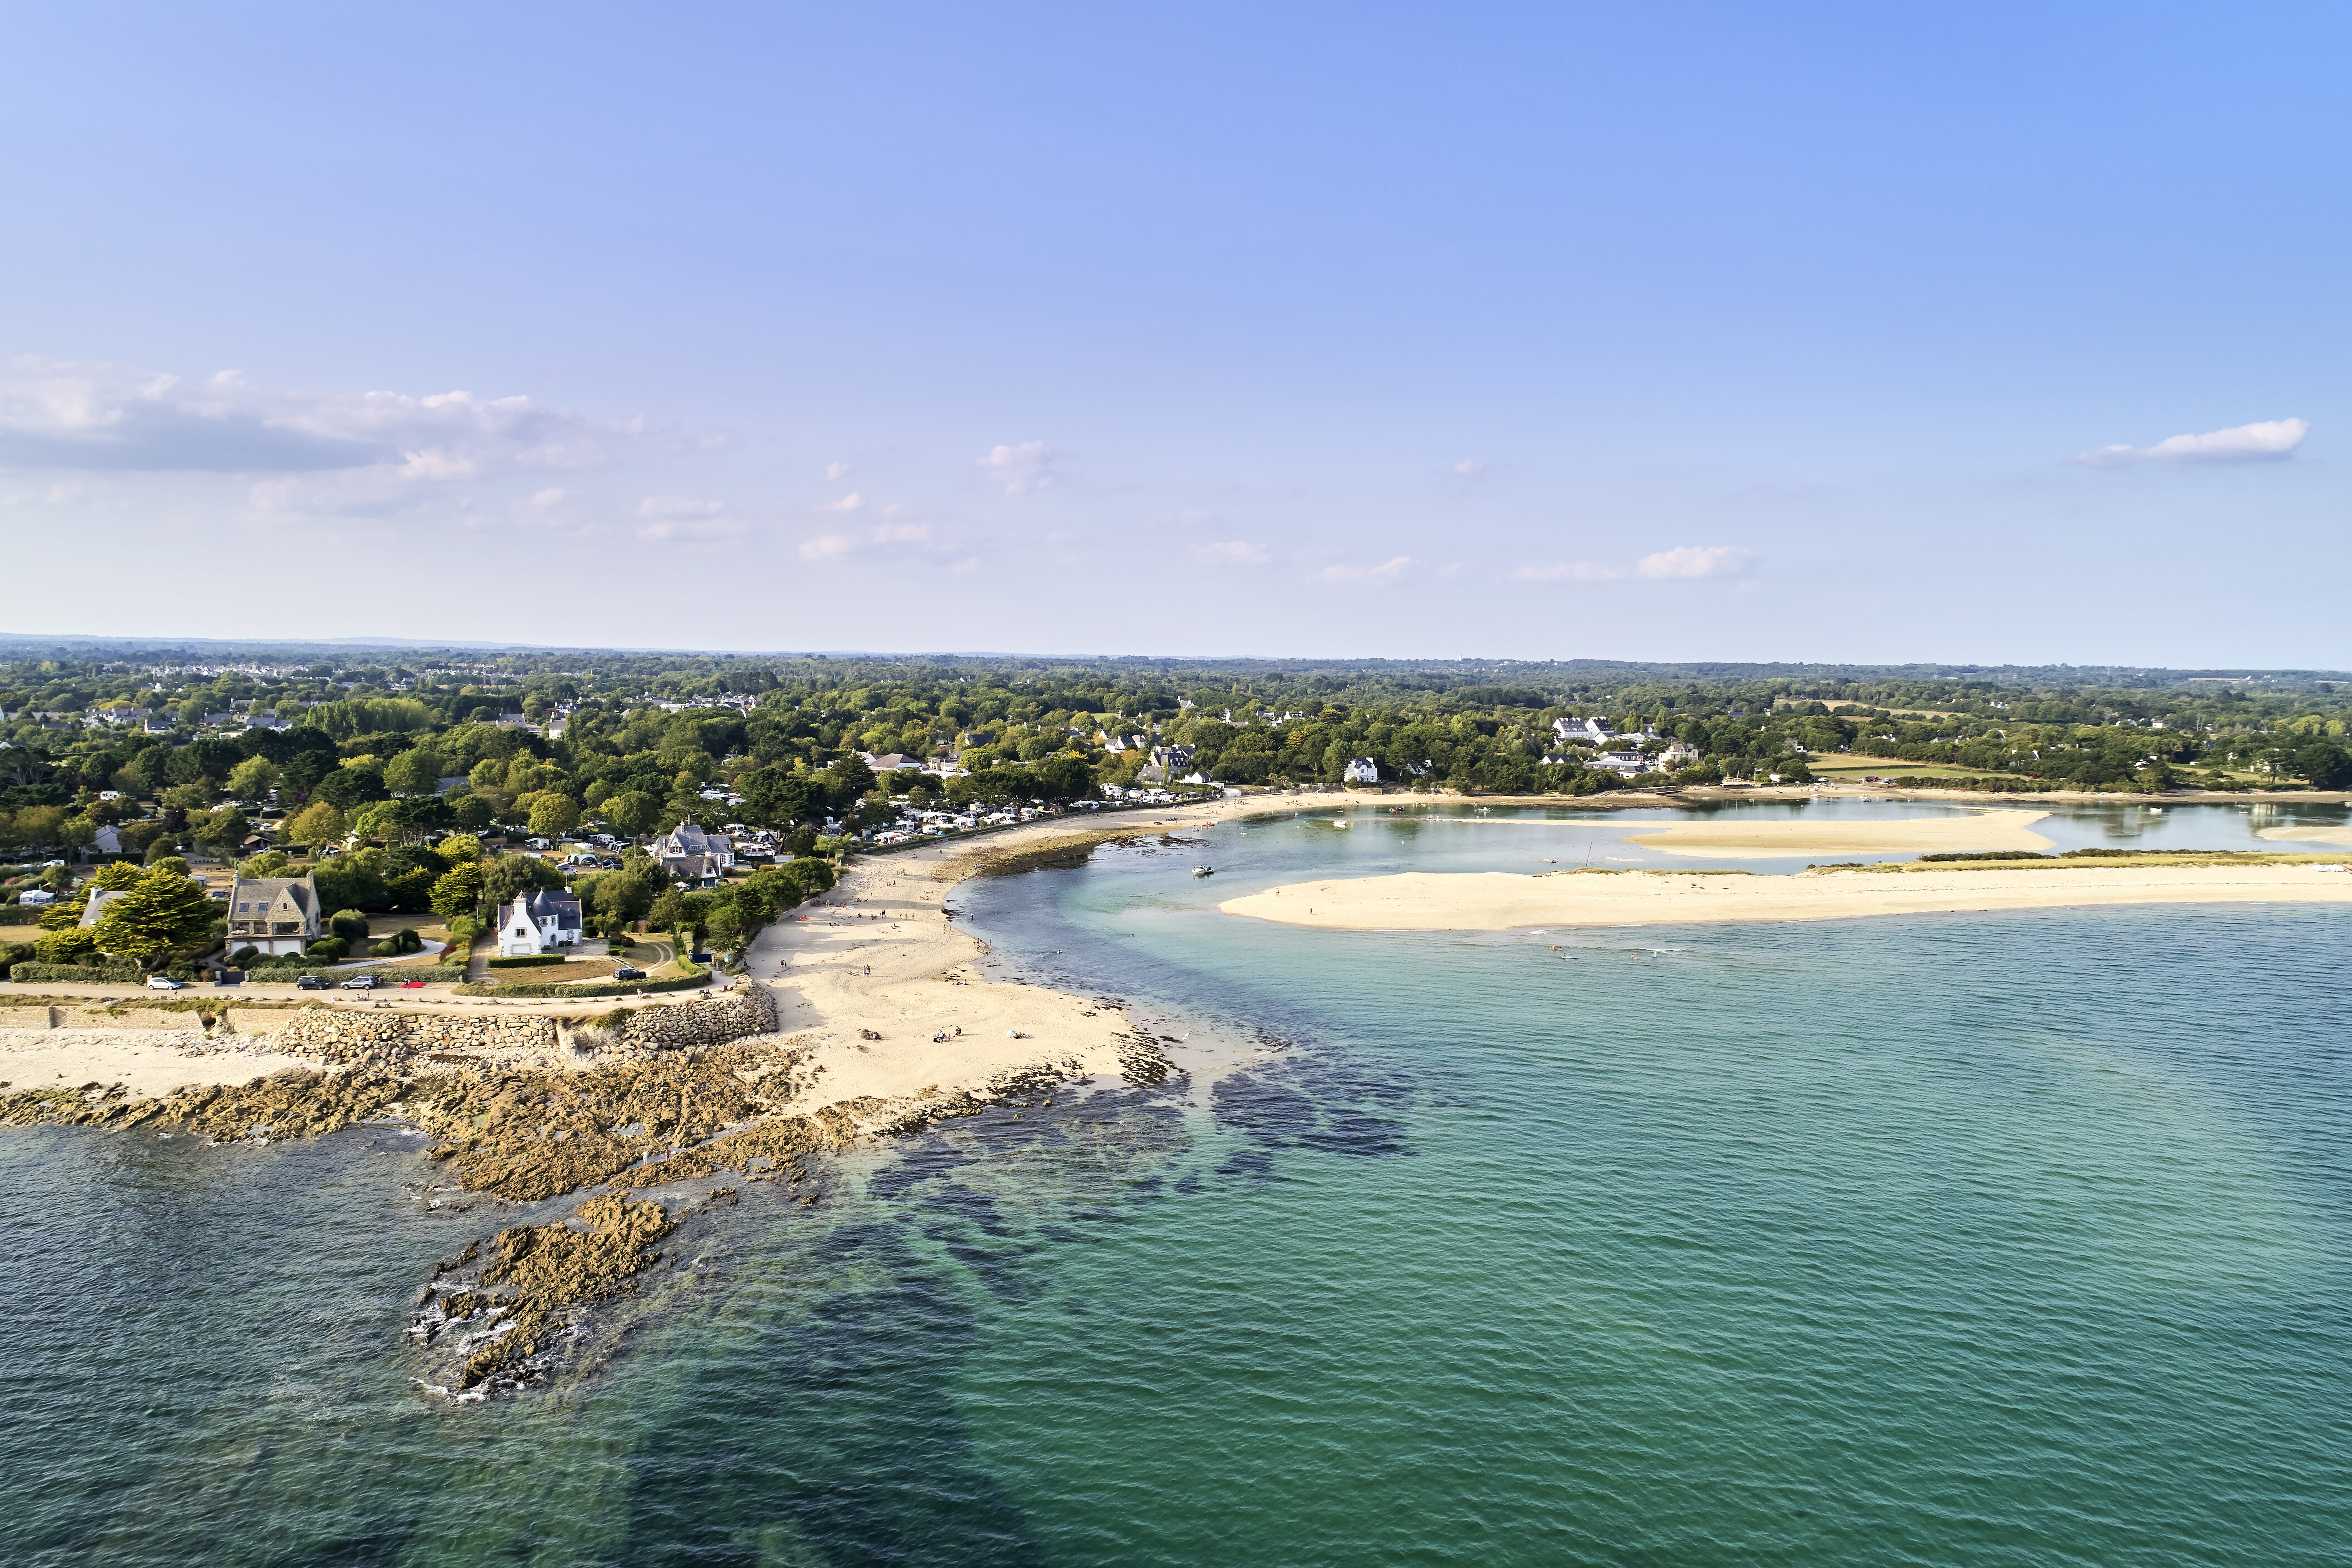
x=1591, y=731
x=1624, y=763
x=1361, y=770
x=538, y=922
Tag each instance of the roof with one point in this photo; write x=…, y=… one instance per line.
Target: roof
x=99, y=900
x=689, y=839
x=542, y=906
x=299, y=892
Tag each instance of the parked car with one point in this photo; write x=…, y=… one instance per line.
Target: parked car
x=625, y=973
x=162, y=983
x=362, y=982
x=311, y=982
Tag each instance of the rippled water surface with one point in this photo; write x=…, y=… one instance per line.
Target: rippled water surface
x=2016, y=1239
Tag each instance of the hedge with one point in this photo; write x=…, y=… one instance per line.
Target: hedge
x=20, y=914
x=434, y=973
x=614, y=988
x=527, y=960
x=78, y=974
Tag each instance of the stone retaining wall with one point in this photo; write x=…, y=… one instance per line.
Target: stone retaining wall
x=706, y=1021
x=346, y=1037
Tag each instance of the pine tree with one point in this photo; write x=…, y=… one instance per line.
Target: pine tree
x=163, y=912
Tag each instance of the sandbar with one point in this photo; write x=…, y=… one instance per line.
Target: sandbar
x=1746, y=840
x=1500, y=900
x=2307, y=835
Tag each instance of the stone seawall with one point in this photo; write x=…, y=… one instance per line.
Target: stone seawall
x=339, y=1037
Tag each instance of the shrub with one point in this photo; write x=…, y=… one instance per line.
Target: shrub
x=330, y=948
x=527, y=961
x=244, y=957
x=75, y=973
x=349, y=924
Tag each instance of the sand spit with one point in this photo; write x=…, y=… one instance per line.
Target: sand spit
x=1984, y=830
x=1497, y=901
x=2307, y=835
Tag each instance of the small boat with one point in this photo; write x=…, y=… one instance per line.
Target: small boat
x=1204, y=870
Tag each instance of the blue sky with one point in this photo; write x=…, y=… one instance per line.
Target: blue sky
x=1703, y=331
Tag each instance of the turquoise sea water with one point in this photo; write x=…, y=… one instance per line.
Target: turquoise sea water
x=2016, y=1239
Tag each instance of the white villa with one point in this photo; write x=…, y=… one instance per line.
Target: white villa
x=1361, y=770
x=538, y=922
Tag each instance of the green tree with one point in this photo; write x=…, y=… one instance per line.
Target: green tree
x=459, y=893
x=416, y=771
x=552, y=815
x=632, y=812
x=352, y=785
x=2324, y=766
x=162, y=914
x=772, y=797
x=508, y=877
x=72, y=945
x=669, y=914
x=459, y=849
x=320, y=823
x=253, y=778
x=224, y=827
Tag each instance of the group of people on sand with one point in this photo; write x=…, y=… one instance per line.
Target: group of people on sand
x=952, y=1032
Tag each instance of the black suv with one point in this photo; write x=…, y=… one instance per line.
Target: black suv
x=625, y=973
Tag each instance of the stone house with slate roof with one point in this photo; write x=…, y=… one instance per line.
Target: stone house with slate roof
x=274, y=914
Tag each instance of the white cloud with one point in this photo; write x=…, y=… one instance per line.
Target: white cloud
x=2261, y=441
x=966, y=567
x=1469, y=468
x=853, y=501
x=1572, y=572
x=826, y=547
x=1683, y=561
x=1696, y=561
x=1232, y=553
x=901, y=533
x=1020, y=468
x=94, y=416
x=837, y=471
x=543, y=499
x=1377, y=576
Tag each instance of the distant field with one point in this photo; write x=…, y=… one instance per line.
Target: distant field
x=1891, y=767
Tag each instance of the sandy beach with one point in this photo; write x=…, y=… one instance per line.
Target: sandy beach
x=1984, y=830
x=148, y=1063
x=881, y=953
x=1499, y=900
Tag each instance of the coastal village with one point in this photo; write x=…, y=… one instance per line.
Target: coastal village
x=261, y=900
